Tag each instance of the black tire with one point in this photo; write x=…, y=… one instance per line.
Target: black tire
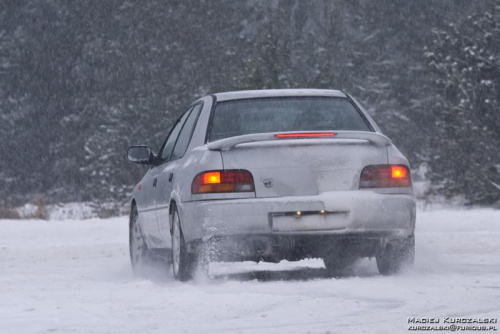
x=183, y=263
x=338, y=265
x=393, y=258
x=140, y=256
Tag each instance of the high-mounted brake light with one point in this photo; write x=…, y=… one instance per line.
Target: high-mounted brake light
x=223, y=181
x=385, y=176
x=304, y=135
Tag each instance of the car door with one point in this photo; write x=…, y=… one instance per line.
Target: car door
x=168, y=173
x=151, y=224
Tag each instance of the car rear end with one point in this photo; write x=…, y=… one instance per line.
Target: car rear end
x=305, y=174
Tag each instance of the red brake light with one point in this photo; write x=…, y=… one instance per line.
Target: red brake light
x=224, y=181
x=304, y=135
x=385, y=176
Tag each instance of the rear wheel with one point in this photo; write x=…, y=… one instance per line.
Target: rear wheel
x=183, y=263
x=394, y=257
x=139, y=254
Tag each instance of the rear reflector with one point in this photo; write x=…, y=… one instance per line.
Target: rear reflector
x=385, y=176
x=223, y=181
x=304, y=135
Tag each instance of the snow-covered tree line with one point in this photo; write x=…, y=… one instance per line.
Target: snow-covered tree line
x=82, y=80
x=465, y=56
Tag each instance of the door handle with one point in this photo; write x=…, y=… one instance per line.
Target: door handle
x=170, y=177
x=155, y=181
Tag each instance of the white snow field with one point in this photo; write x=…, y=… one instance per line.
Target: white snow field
x=74, y=276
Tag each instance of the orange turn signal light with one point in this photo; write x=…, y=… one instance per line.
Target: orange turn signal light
x=211, y=178
x=223, y=181
x=399, y=172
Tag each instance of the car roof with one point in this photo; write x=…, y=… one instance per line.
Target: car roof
x=252, y=94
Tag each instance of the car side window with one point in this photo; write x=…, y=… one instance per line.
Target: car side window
x=168, y=147
x=187, y=131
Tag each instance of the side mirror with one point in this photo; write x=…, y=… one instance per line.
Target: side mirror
x=140, y=154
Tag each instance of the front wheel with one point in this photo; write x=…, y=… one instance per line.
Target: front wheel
x=394, y=256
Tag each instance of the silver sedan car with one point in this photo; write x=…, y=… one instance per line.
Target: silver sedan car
x=273, y=175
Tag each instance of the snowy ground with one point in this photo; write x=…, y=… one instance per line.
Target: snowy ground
x=74, y=277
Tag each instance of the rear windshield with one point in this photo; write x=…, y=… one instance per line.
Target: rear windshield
x=241, y=117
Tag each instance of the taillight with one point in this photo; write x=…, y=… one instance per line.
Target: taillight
x=223, y=181
x=304, y=135
x=385, y=176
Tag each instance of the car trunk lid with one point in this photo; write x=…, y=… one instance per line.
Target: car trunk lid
x=301, y=166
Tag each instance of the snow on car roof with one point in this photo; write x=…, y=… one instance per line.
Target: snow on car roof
x=250, y=94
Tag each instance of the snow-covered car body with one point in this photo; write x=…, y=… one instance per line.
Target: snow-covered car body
x=268, y=175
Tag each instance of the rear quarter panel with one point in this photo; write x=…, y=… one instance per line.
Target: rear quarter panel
x=196, y=160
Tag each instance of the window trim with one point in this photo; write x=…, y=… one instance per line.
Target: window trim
x=210, y=119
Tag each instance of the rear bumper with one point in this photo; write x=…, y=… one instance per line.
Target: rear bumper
x=292, y=247
x=347, y=213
